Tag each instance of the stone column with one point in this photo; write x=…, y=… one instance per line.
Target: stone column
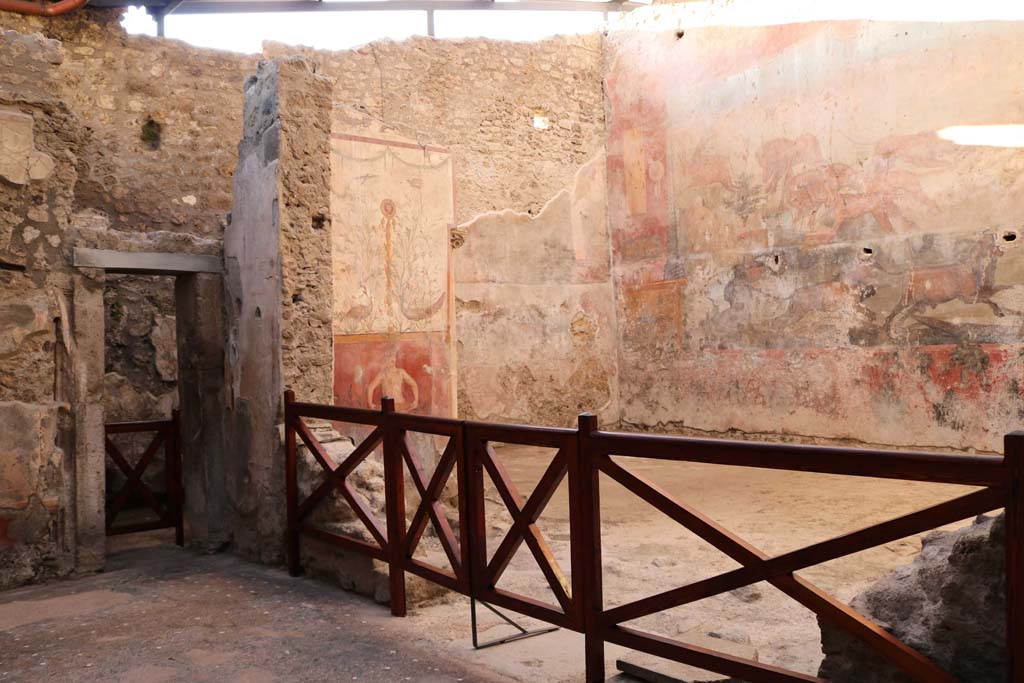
x=90, y=453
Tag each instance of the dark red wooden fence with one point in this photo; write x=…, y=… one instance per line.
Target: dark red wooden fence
x=581, y=456
x=169, y=513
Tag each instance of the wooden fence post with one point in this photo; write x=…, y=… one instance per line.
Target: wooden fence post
x=464, y=476
x=173, y=468
x=477, y=520
x=590, y=553
x=394, y=506
x=1014, y=461
x=291, y=487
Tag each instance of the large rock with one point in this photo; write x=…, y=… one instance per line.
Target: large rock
x=950, y=604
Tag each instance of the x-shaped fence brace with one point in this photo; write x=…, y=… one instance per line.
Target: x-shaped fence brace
x=524, y=523
x=337, y=479
x=134, y=478
x=429, y=509
x=430, y=504
x=165, y=434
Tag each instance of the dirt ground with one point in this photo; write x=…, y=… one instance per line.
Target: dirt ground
x=160, y=614
x=164, y=614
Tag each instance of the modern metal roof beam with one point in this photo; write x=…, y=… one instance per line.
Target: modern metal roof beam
x=260, y=6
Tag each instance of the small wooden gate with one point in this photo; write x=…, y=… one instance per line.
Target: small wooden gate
x=169, y=512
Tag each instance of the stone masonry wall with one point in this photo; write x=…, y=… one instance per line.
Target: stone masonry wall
x=85, y=164
x=164, y=118
x=39, y=145
x=304, y=224
x=478, y=98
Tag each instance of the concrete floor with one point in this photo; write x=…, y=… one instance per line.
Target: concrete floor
x=161, y=614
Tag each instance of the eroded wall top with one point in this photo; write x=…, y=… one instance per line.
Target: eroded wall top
x=478, y=98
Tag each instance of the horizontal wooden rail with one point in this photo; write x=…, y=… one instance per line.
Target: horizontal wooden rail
x=968, y=470
x=139, y=427
x=337, y=413
x=580, y=456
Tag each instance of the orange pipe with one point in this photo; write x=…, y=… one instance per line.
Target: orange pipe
x=42, y=9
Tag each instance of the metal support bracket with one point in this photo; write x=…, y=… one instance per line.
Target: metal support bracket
x=523, y=633
x=642, y=673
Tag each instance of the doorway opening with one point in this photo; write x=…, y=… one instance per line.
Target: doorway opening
x=142, y=470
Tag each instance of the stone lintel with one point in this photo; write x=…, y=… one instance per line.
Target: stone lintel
x=146, y=262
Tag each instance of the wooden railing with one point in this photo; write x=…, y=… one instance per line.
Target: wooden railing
x=581, y=456
x=169, y=513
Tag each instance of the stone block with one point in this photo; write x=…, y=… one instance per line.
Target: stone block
x=20, y=161
x=27, y=458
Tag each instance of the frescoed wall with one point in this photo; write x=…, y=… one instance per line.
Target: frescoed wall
x=392, y=209
x=798, y=251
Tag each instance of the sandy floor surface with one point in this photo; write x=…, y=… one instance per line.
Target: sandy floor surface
x=646, y=552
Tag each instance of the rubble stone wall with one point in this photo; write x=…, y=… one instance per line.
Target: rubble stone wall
x=42, y=376
x=164, y=119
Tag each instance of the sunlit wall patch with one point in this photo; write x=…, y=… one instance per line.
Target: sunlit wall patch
x=995, y=135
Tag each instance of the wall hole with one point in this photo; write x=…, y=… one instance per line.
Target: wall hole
x=319, y=221
x=1009, y=236
x=776, y=259
x=151, y=134
x=259, y=313
x=680, y=33
x=868, y=251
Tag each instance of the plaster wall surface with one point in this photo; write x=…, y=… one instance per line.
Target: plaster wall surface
x=537, y=335
x=797, y=253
